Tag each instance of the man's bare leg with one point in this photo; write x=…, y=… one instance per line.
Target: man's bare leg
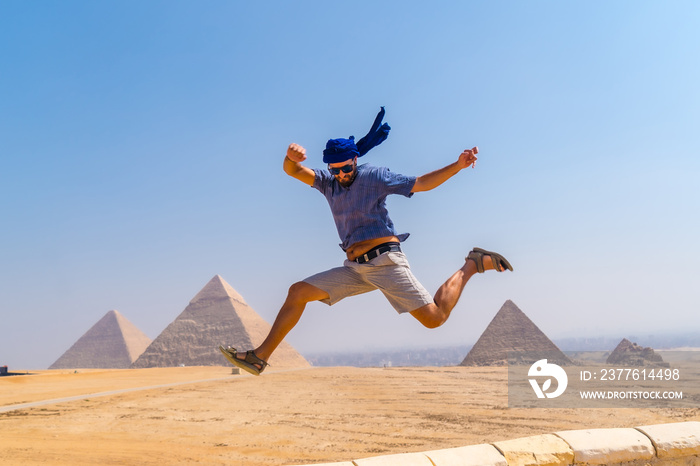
x=298, y=296
x=435, y=314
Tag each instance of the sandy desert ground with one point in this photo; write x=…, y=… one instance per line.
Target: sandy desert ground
x=206, y=415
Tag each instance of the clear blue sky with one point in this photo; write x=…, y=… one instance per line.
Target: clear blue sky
x=141, y=146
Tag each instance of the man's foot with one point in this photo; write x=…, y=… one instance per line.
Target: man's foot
x=249, y=363
x=488, y=260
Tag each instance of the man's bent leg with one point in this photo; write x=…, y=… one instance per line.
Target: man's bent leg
x=299, y=295
x=435, y=314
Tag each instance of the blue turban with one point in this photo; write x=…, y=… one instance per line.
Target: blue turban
x=340, y=150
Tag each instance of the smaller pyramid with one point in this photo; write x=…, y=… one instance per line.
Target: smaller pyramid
x=511, y=331
x=631, y=354
x=112, y=343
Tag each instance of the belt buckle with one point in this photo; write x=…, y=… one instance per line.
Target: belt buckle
x=369, y=255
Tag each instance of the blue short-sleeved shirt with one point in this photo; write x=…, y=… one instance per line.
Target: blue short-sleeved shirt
x=360, y=210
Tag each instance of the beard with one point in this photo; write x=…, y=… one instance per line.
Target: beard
x=347, y=181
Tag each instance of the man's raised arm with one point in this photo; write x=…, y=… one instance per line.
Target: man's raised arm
x=434, y=179
x=293, y=167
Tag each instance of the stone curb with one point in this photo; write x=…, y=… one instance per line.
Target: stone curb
x=608, y=446
x=661, y=444
x=676, y=440
x=547, y=449
x=473, y=455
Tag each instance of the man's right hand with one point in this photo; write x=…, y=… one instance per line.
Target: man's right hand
x=296, y=153
x=293, y=167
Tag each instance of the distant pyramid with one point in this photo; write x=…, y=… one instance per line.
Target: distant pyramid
x=512, y=331
x=631, y=354
x=112, y=343
x=216, y=315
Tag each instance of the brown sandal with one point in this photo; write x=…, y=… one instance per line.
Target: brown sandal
x=499, y=262
x=249, y=364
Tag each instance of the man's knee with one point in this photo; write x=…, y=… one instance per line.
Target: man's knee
x=430, y=316
x=434, y=321
x=303, y=292
x=298, y=291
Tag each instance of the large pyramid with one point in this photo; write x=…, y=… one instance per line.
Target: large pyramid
x=112, y=343
x=216, y=315
x=512, y=331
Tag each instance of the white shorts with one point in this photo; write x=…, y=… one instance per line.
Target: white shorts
x=388, y=272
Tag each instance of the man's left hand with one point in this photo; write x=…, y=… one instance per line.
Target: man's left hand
x=468, y=157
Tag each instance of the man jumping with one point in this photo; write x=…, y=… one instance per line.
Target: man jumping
x=357, y=197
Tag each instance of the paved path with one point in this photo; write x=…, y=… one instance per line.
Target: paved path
x=5, y=409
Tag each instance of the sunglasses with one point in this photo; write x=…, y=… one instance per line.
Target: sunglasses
x=345, y=169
